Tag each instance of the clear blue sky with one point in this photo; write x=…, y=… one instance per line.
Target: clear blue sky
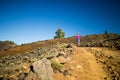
x=25, y=21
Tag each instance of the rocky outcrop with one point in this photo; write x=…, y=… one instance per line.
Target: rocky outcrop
x=5, y=45
x=39, y=70
x=111, y=63
x=103, y=40
x=43, y=70
x=35, y=65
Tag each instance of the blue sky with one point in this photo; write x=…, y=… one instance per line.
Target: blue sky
x=25, y=21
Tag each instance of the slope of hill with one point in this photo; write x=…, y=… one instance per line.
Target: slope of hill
x=96, y=40
x=91, y=63
x=5, y=45
x=68, y=63
x=63, y=60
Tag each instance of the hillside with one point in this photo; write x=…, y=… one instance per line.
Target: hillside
x=92, y=64
x=96, y=40
x=5, y=45
x=97, y=58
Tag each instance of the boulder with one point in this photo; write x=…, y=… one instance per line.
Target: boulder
x=62, y=53
x=43, y=69
x=62, y=60
x=31, y=76
x=69, y=46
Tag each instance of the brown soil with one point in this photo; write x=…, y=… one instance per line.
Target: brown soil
x=84, y=66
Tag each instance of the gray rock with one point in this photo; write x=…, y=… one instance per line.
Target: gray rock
x=66, y=73
x=21, y=76
x=62, y=53
x=5, y=79
x=62, y=60
x=31, y=76
x=43, y=69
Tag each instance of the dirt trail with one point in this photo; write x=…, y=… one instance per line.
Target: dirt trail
x=82, y=66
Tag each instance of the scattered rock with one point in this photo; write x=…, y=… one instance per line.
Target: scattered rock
x=69, y=46
x=62, y=54
x=31, y=76
x=21, y=76
x=110, y=64
x=5, y=45
x=62, y=60
x=66, y=73
x=43, y=69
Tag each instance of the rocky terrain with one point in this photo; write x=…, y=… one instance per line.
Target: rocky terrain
x=97, y=58
x=92, y=63
x=110, y=61
x=96, y=40
x=101, y=40
x=27, y=66
x=5, y=45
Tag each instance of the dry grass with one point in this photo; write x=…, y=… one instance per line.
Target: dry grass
x=31, y=46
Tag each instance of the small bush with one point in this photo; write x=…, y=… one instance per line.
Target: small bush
x=63, y=45
x=11, y=42
x=56, y=65
x=49, y=56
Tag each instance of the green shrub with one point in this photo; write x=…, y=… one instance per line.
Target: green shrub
x=59, y=34
x=56, y=65
x=49, y=56
x=11, y=42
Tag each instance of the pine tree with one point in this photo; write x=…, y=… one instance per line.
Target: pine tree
x=59, y=34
